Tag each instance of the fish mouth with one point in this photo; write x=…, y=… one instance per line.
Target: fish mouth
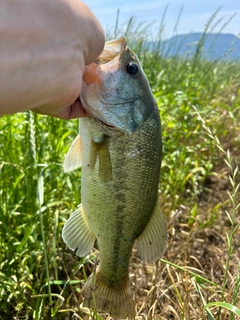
x=100, y=95
x=95, y=113
x=98, y=114
x=92, y=75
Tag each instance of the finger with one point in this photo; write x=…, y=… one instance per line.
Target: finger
x=74, y=111
x=93, y=34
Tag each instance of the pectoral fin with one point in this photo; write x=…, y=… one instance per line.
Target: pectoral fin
x=105, y=165
x=73, y=158
x=152, y=242
x=100, y=149
x=77, y=233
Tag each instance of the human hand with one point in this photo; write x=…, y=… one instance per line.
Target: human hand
x=46, y=45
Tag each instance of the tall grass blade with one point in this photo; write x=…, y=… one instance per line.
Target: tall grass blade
x=199, y=190
x=209, y=313
x=40, y=198
x=197, y=276
x=225, y=305
x=116, y=24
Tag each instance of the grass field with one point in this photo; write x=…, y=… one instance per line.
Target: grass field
x=199, y=276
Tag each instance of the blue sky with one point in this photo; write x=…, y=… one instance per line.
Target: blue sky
x=194, y=16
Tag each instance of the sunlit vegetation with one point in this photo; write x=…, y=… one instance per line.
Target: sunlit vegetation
x=199, y=276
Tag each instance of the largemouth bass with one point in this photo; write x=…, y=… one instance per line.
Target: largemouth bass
x=119, y=149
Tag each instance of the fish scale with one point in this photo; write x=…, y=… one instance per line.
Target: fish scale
x=128, y=173
x=120, y=162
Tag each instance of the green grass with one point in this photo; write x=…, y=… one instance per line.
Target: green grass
x=199, y=276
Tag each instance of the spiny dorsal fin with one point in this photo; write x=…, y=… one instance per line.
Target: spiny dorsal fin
x=152, y=243
x=73, y=158
x=77, y=233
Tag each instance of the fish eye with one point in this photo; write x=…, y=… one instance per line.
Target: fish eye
x=132, y=68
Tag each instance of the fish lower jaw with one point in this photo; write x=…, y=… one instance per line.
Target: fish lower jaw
x=93, y=114
x=107, y=125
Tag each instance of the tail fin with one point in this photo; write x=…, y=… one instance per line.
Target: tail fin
x=115, y=300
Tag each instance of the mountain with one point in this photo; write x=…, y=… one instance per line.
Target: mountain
x=213, y=46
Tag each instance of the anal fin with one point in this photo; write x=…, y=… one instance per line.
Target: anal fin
x=152, y=242
x=77, y=234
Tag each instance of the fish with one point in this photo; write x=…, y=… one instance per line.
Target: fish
x=119, y=148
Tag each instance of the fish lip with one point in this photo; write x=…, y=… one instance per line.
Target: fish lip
x=100, y=119
x=94, y=113
x=105, y=102
x=118, y=103
x=107, y=125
